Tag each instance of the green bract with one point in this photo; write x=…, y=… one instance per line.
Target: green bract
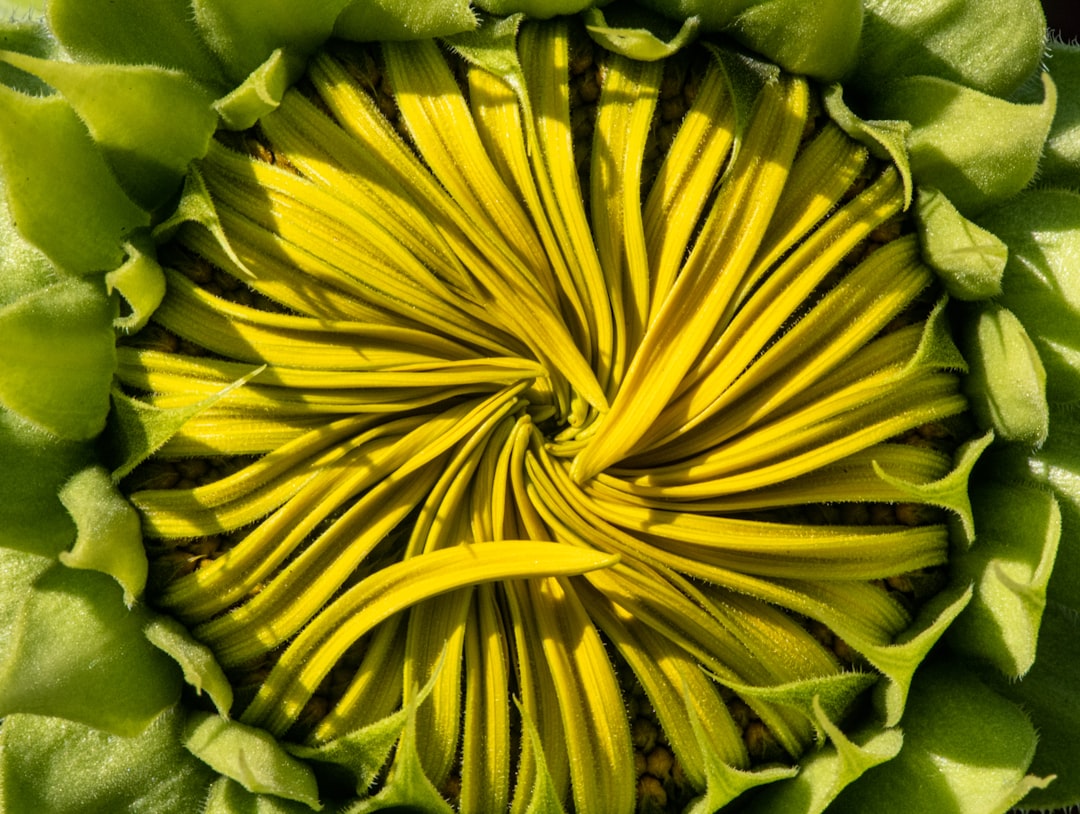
x=109, y=161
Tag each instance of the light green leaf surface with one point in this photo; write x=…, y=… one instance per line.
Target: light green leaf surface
x=1006, y=383
x=201, y=670
x=261, y=92
x=147, y=146
x=1050, y=694
x=36, y=465
x=885, y=139
x=229, y=797
x=634, y=37
x=989, y=45
x=109, y=536
x=1010, y=566
x=24, y=31
x=1041, y=285
x=362, y=752
x=817, y=39
x=1061, y=161
x=372, y=20
x=251, y=757
x=824, y=773
x=966, y=751
x=141, y=282
x=61, y=767
x=136, y=33
x=57, y=358
x=969, y=259
x=536, y=9
x=74, y=650
x=244, y=33
x=976, y=148
x=55, y=174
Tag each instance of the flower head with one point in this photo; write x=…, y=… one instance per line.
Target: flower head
x=555, y=413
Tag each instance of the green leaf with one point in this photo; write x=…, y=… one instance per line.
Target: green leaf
x=1055, y=467
x=545, y=798
x=884, y=138
x=1006, y=382
x=147, y=146
x=407, y=787
x=969, y=260
x=251, y=757
x=197, y=207
x=60, y=189
x=817, y=39
x=136, y=33
x=1061, y=160
x=966, y=750
x=36, y=465
x=244, y=33
x=493, y=46
x=950, y=492
x=1010, y=565
x=989, y=45
x=57, y=358
x=1042, y=280
x=900, y=661
x=975, y=148
x=138, y=430
x=637, y=37
x=823, y=774
x=229, y=797
x=60, y=767
x=363, y=752
x=201, y=670
x=1050, y=694
x=23, y=267
x=109, y=532
x=832, y=694
x=141, y=283
x=725, y=783
x=536, y=9
x=261, y=92
x=374, y=20
x=76, y=652
x=27, y=34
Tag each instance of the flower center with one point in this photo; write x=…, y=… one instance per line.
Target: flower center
x=516, y=400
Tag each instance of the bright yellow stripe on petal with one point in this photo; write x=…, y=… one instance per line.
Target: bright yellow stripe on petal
x=437, y=115
x=623, y=121
x=672, y=679
x=701, y=294
x=324, y=152
x=784, y=292
x=398, y=586
x=486, y=745
x=539, y=706
x=783, y=550
x=597, y=731
x=851, y=479
x=434, y=655
x=375, y=690
x=499, y=120
x=831, y=335
x=821, y=174
x=544, y=51
x=278, y=610
x=686, y=179
x=228, y=579
x=250, y=494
